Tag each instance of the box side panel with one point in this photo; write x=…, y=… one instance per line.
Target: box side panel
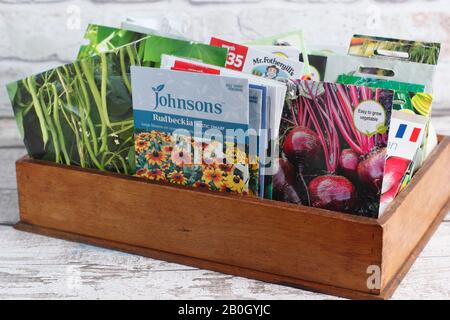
x=259, y=235
x=415, y=213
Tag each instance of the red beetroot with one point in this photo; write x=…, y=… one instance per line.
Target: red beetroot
x=284, y=182
x=302, y=147
x=371, y=169
x=348, y=163
x=332, y=192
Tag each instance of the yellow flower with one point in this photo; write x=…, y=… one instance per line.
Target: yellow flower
x=214, y=175
x=177, y=177
x=141, y=145
x=155, y=157
x=235, y=183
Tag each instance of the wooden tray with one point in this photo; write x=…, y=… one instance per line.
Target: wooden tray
x=314, y=249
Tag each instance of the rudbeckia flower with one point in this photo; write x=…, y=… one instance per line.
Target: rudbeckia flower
x=235, y=183
x=177, y=177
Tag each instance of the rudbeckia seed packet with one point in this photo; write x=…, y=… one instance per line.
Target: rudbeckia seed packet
x=81, y=113
x=333, y=141
x=191, y=128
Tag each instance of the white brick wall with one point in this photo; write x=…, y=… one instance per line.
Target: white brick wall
x=38, y=34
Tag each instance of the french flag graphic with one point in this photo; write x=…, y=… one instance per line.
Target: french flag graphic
x=408, y=132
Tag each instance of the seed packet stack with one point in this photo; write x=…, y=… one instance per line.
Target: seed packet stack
x=408, y=68
x=266, y=98
x=264, y=118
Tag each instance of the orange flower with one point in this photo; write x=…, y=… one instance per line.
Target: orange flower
x=156, y=174
x=177, y=177
x=142, y=172
x=141, y=145
x=155, y=157
x=144, y=135
x=213, y=175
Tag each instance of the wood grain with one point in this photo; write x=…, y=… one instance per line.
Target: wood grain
x=271, y=237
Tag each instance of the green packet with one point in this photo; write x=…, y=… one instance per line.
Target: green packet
x=81, y=113
x=407, y=96
x=104, y=39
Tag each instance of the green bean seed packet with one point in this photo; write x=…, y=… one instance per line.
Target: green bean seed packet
x=81, y=113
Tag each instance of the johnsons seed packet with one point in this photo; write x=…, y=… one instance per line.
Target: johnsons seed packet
x=191, y=129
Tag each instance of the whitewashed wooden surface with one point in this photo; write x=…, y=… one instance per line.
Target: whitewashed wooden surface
x=36, y=35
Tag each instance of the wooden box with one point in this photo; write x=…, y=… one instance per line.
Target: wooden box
x=299, y=246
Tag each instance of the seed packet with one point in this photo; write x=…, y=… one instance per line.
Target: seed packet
x=406, y=134
x=415, y=108
x=408, y=97
x=333, y=140
x=273, y=100
x=407, y=50
x=290, y=45
x=257, y=125
x=276, y=91
x=189, y=128
x=81, y=113
x=317, y=63
x=260, y=63
x=382, y=68
x=288, y=52
x=104, y=39
x=156, y=27
x=293, y=38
